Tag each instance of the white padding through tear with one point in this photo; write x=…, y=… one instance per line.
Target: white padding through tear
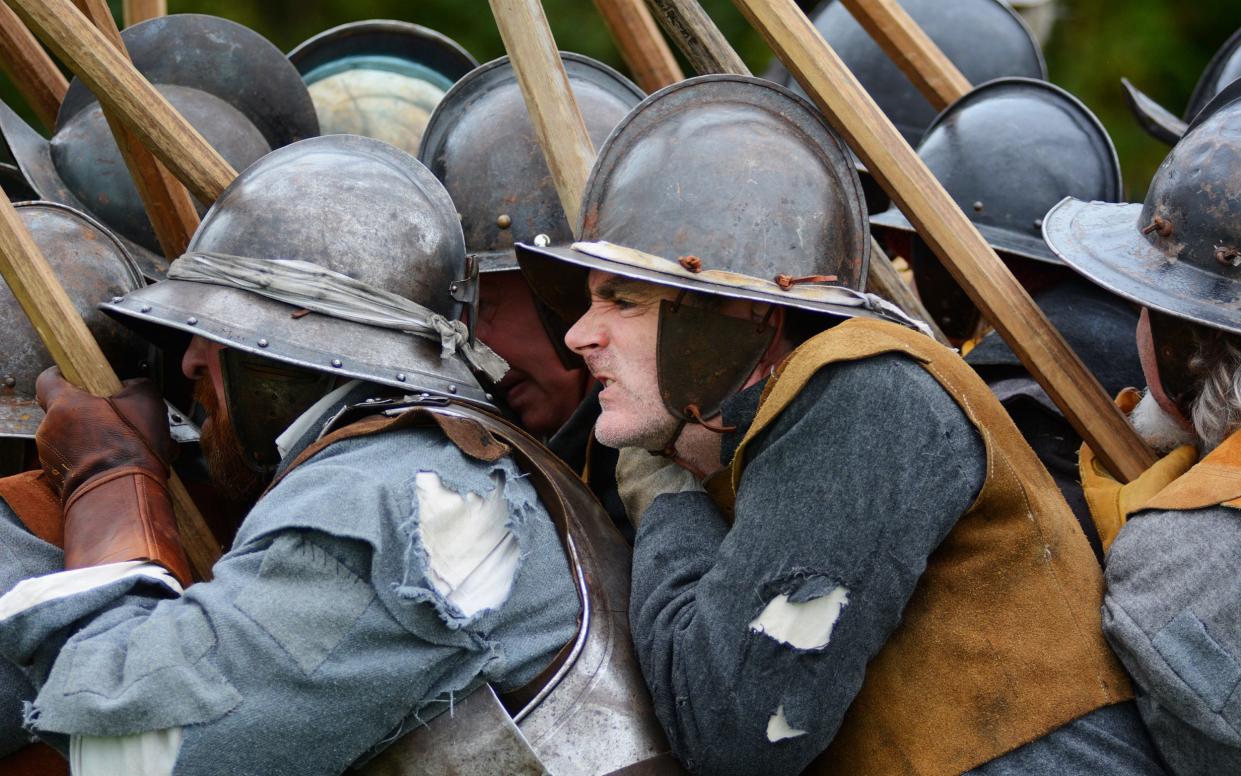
x=804, y=625
x=778, y=727
x=472, y=553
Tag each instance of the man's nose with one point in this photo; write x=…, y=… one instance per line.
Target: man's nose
x=586, y=334
x=196, y=361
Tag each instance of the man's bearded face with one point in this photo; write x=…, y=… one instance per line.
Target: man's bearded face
x=232, y=478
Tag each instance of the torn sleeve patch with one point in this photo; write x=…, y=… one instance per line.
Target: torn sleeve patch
x=472, y=555
x=778, y=727
x=305, y=599
x=804, y=618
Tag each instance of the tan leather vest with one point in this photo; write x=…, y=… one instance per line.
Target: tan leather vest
x=1001, y=642
x=1215, y=481
x=38, y=507
x=589, y=712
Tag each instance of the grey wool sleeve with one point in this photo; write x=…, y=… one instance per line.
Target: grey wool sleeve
x=1172, y=613
x=754, y=640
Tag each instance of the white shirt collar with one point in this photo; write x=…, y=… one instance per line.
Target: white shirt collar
x=294, y=432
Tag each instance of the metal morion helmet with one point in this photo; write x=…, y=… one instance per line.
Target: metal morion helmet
x=481, y=144
x=93, y=267
x=1179, y=253
x=1159, y=122
x=379, y=78
x=723, y=185
x=229, y=82
x=1006, y=152
x=339, y=256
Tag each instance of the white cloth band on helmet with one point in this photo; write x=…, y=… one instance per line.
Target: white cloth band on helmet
x=320, y=290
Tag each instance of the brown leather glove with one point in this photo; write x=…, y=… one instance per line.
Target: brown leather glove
x=108, y=460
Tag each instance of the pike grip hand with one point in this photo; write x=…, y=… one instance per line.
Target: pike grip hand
x=108, y=459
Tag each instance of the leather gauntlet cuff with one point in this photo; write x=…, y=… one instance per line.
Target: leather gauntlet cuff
x=123, y=515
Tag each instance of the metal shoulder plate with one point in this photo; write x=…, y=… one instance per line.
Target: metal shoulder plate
x=590, y=715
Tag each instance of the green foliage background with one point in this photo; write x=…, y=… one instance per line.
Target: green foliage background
x=1161, y=45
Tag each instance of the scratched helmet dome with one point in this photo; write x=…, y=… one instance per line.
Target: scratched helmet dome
x=1179, y=252
x=93, y=267
x=350, y=204
x=229, y=82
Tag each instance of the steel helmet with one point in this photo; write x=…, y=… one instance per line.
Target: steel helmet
x=1159, y=122
x=481, y=144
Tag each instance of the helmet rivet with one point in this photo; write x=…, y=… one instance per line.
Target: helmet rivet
x=175, y=417
x=9, y=382
x=1038, y=223
x=489, y=396
x=336, y=363
x=263, y=343
x=452, y=389
x=146, y=308
x=192, y=321
x=424, y=395
x=1228, y=256
x=1158, y=224
x=117, y=299
x=504, y=221
x=978, y=206
x=542, y=240
x=400, y=378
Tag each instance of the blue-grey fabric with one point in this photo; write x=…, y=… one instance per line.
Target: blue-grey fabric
x=855, y=484
x=1173, y=614
x=320, y=636
x=22, y=555
x=1101, y=329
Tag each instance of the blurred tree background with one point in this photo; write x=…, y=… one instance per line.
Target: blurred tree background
x=1160, y=45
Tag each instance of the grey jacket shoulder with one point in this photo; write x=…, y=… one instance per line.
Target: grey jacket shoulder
x=1172, y=613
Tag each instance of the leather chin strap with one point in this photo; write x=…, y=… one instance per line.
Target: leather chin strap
x=1150, y=370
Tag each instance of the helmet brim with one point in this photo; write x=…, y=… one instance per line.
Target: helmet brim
x=1103, y=242
x=571, y=265
x=1004, y=241
x=1156, y=120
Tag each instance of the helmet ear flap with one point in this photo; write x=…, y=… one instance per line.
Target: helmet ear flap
x=704, y=356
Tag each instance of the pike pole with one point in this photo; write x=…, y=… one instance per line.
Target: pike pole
x=949, y=233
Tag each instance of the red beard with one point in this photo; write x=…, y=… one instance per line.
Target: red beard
x=231, y=476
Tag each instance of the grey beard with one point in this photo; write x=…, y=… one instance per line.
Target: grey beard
x=1157, y=428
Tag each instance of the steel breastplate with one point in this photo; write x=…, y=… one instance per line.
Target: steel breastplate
x=592, y=713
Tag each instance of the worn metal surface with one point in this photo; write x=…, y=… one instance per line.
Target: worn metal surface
x=481, y=144
x=477, y=738
x=224, y=59
x=350, y=204
x=985, y=39
x=785, y=200
x=1009, y=150
x=1159, y=122
x=1180, y=251
x=93, y=267
x=380, y=78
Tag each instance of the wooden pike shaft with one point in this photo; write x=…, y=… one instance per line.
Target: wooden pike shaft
x=167, y=203
x=121, y=88
x=75, y=351
x=699, y=40
x=553, y=110
x=949, y=233
x=641, y=46
x=709, y=51
x=911, y=49
x=30, y=68
x=134, y=11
